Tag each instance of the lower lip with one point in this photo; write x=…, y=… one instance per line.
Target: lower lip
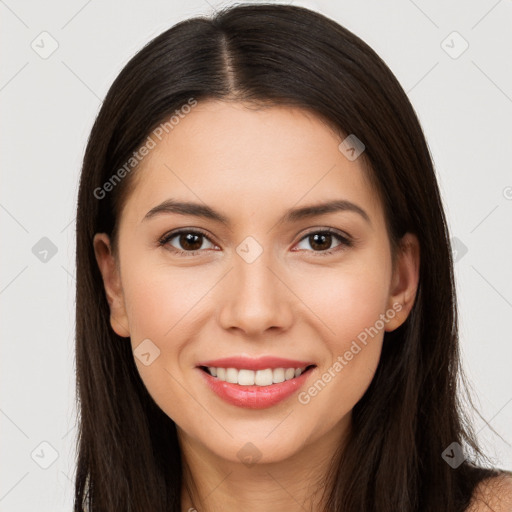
x=254, y=397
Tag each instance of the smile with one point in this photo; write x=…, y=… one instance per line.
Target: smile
x=244, y=377
x=255, y=383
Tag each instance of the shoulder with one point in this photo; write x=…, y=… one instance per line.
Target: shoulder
x=493, y=494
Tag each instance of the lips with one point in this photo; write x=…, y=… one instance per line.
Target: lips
x=255, y=383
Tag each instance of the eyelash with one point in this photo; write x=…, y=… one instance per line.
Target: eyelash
x=345, y=241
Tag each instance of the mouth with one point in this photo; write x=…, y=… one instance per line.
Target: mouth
x=255, y=384
x=261, y=378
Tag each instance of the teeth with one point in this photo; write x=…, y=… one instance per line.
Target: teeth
x=278, y=375
x=289, y=373
x=246, y=377
x=232, y=375
x=259, y=377
x=263, y=377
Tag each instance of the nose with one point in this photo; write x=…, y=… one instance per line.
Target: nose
x=255, y=298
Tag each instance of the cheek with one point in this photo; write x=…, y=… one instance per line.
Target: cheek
x=162, y=305
x=346, y=301
x=160, y=302
x=350, y=305
x=352, y=357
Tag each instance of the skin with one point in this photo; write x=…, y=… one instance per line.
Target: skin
x=493, y=495
x=292, y=301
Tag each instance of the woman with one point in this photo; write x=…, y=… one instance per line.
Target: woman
x=266, y=312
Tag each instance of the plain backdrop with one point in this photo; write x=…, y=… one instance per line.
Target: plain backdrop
x=58, y=60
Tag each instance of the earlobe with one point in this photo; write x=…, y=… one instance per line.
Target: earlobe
x=112, y=284
x=405, y=280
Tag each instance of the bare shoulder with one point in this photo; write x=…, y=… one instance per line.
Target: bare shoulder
x=493, y=495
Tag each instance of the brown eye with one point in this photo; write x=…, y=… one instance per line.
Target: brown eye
x=190, y=241
x=186, y=242
x=322, y=242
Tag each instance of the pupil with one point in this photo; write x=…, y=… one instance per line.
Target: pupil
x=187, y=241
x=323, y=238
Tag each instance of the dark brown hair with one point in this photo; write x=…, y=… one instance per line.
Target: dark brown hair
x=128, y=453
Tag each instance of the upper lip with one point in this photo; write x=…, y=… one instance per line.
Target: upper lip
x=260, y=363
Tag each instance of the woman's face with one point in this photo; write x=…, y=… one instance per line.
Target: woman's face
x=254, y=279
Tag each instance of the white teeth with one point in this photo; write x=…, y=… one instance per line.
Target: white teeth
x=278, y=375
x=289, y=373
x=246, y=377
x=259, y=377
x=263, y=377
x=232, y=375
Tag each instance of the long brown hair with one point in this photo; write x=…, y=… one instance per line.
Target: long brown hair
x=128, y=453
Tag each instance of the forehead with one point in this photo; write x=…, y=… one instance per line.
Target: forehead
x=252, y=159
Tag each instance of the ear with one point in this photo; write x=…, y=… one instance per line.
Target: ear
x=112, y=283
x=404, y=282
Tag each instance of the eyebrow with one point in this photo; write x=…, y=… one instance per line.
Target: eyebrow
x=292, y=215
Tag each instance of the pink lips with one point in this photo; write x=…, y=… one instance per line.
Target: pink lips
x=254, y=397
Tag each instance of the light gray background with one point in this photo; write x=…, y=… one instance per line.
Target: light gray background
x=47, y=110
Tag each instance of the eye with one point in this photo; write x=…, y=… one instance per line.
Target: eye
x=321, y=241
x=185, y=242
x=190, y=242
